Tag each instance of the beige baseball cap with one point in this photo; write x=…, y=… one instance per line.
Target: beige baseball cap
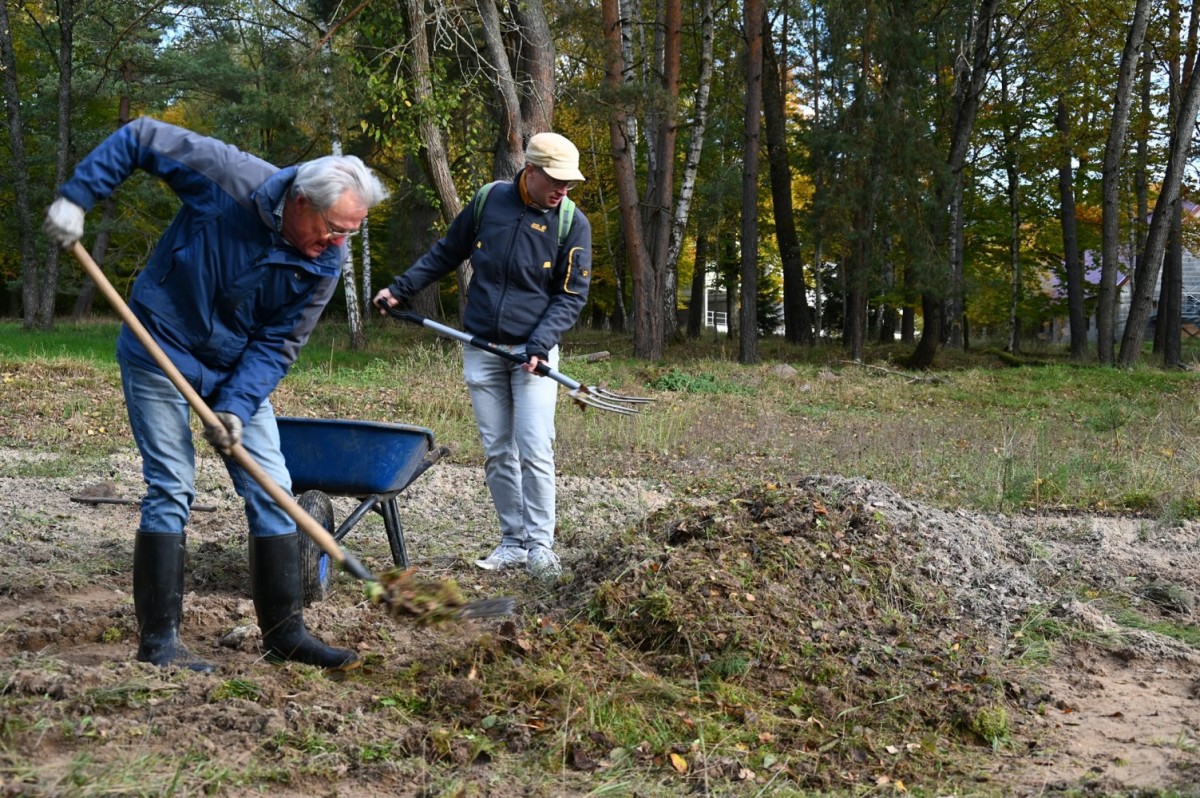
x=555, y=154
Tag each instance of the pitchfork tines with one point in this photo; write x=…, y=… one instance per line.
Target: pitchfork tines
x=603, y=399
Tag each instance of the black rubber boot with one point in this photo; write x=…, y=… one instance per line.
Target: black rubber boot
x=158, y=600
x=279, y=601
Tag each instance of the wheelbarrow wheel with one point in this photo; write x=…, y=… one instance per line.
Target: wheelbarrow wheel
x=316, y=567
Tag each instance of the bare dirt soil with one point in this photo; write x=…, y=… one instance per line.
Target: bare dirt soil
x=1038, y=609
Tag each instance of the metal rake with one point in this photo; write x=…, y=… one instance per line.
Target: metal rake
x=583, y=395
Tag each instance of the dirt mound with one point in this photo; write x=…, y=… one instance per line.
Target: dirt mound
x=818, y=610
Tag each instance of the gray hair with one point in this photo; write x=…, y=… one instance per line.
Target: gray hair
x=322, y=181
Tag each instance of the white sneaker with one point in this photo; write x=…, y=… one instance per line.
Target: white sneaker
x=503, y=557
x=543, y=564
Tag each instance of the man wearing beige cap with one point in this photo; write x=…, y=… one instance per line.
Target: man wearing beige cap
x=531, y=252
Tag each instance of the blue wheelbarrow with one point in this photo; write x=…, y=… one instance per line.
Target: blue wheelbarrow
x=368, y=460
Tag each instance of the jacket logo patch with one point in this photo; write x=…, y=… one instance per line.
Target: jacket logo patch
x=547, y=265
x=541, y=228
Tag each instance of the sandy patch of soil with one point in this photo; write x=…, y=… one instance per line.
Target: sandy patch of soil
x=1120, y=716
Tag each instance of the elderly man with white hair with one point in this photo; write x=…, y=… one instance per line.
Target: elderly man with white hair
x=231, y=293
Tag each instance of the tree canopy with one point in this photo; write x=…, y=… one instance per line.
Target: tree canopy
x=929, y=147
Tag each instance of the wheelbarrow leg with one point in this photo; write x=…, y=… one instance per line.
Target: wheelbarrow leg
x=367, y=505
x=395, y=531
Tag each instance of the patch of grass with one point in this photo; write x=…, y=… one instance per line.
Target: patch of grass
x=405, y=702
x=1033, y=643
x=1185, y=633
x=94, y=341
x=144, y=776
x=377, y=752
x=237, y=688
x=679, y=381
x=308, y=743
x=129, y=694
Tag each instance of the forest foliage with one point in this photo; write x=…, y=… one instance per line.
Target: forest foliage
x=925, y=144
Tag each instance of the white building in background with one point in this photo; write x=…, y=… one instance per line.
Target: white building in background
x=1189, y=311
x=1060, y=328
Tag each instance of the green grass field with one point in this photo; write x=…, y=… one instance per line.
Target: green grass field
x=977, y=432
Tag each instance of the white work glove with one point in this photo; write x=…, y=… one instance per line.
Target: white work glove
x=64, y=222
x=226, y=436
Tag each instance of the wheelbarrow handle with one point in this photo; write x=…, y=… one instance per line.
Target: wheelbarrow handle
x=306, y=522
x=542, y=368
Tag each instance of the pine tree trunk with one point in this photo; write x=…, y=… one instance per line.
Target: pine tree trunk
x=1077, y=318
x=647, y=341
x=1164, y=208
x=18, y=164
x=797, y=325
x=1111, y=184
x=748, y=319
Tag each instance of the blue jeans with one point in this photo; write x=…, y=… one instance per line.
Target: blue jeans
x=514, y=411
x=158, y=414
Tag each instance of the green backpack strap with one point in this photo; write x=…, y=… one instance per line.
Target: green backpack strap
x=566, y=217
x=566, y=211
x=479, y=199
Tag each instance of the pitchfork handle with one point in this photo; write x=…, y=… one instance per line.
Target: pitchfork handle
x=543, y=367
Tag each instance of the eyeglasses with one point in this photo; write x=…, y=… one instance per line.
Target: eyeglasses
x=565, y=185
x=333, y=232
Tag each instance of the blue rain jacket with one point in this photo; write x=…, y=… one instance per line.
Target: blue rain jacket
x=226, y=296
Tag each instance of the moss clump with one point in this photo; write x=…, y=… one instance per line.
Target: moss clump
x=991, y=724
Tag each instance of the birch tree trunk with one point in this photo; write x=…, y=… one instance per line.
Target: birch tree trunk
x=354, y=320
x=660, y=188
x=1011, y=135
x=1013, y=175
x=691, y=166
x=628, y=73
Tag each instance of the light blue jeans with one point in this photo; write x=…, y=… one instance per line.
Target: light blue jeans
x=514, y=411
x=158, y=414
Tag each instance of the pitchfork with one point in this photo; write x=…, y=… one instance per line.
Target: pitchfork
x=584, y=395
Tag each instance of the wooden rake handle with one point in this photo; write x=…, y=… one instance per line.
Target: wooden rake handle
x=306, y=522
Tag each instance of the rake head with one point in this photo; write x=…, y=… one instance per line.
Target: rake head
x=602, y=399
x=433, y=602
